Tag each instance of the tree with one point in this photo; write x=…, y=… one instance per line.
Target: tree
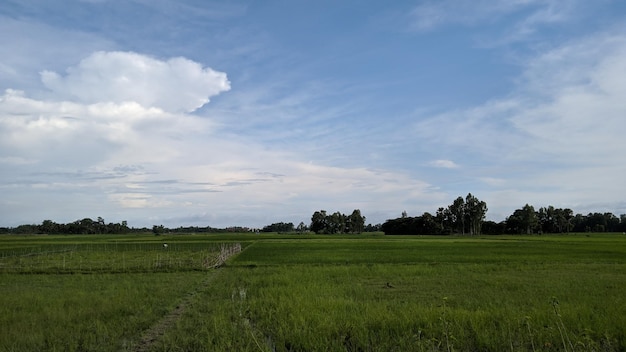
x=561, y=219
x=99, y=226
x=475, y=211
x=279, y=227
x=301, y=227
x=428, y=224
x=493, y=228
x=612, y=222
x=124, y=228
x=49, y=226
x=158, y=230
x=336, y=223
x=441, y=217
x=457, y=215
x=356, y=221
x=523, y=221
x=400, y=226
x=319, y=221
x=419, y=225
x=463, y=214
x=86, y=226
x=529, y=218
x=547, y=219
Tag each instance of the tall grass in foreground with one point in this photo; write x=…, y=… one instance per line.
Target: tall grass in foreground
x=406, y=308
x=96, y=293
x=527, y=293
x=460, y=304
x=94, y=312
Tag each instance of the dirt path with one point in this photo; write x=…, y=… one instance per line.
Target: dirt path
x=151, y=336
x=154, y=333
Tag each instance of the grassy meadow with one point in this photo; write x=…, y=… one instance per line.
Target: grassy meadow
x=315, y=293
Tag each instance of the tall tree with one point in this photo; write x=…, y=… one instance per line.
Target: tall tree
x=356, y=221
x=475, y=212
x=529, y=219
x=547, y=219
x=319, y=222
x=457, y=215
x=336, y=223
x=49, y=226
x=445, y=219
x=301, y=227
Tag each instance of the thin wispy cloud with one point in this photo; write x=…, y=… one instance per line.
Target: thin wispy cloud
x=565, y=120
x=431, y=15
x=445, y=164
x=524, y=18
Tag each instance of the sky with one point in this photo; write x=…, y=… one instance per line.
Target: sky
x=247, y=113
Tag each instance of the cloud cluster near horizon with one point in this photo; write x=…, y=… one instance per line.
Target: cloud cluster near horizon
x=119, y=129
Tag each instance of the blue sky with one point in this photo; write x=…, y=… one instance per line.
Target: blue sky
x=253, y=112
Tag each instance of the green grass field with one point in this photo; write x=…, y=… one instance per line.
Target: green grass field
x=315, y=293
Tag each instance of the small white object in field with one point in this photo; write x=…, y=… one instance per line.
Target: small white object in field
x=165, y=245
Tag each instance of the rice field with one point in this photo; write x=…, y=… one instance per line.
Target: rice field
x=313, y=293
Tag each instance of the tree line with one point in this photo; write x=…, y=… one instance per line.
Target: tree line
x=549, y=219
x=463, y=216
x=467, y=217
x=86, y=226
x=323, y=223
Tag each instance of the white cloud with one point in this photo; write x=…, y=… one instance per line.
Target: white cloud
x=175, y=85
x=580, y=114
x=124, y=151
x=89, y=119
x=73, y=134
x=445, y=164
x=559, y=137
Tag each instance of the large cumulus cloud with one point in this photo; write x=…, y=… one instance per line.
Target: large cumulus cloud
x=114, y=137
x=175, y=85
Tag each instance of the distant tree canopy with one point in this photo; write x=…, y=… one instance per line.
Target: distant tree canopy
x=279, y=227
x=467, y=216
x=88, y=226
x=337, y=222
x=85, y=226
x=557, y=220
x=463, y=216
